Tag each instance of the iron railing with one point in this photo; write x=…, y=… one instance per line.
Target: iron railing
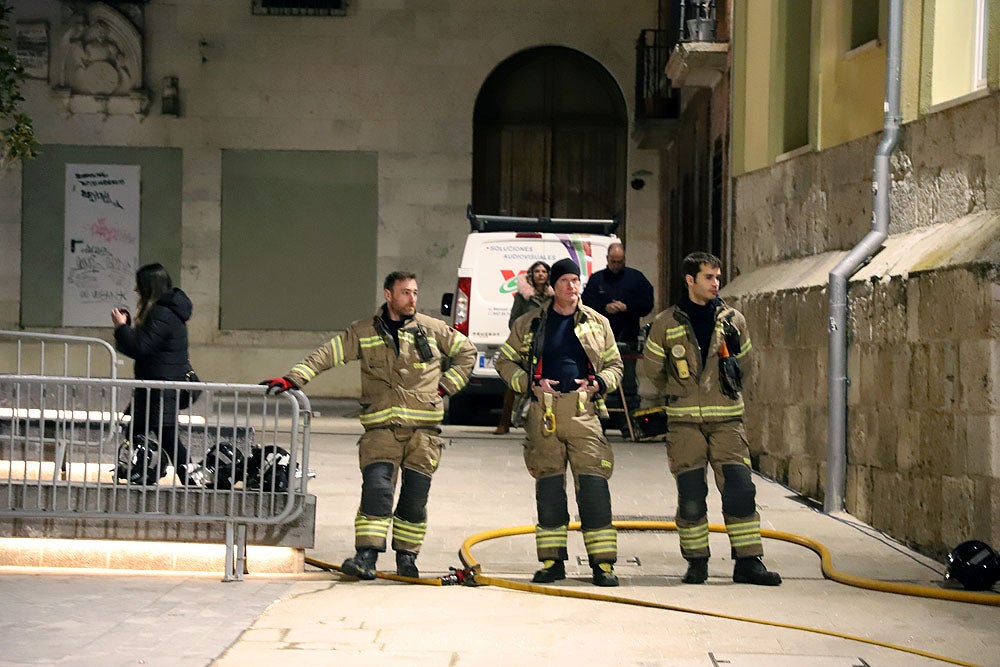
x=655, y=97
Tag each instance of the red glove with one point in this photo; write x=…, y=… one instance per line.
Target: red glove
x=278, y=385
x=441, y=391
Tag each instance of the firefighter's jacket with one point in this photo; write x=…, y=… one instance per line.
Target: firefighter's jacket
x=516, y=363
x=671, y=345
x=398, y=388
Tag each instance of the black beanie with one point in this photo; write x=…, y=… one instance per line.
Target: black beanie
x=561, y=268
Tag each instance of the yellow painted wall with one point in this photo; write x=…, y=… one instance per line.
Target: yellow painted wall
x=953, y=49
x=850, y=84
x=752, y=109
x=912, y=57
x=847, y=87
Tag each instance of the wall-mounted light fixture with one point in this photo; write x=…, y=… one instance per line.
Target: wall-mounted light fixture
x=170, y=97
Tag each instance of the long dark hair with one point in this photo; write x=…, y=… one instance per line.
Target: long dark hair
x=152, y=281
x=531, y=275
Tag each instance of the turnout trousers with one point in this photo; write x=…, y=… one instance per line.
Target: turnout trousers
x=691, y=448
x=385, y=455
x=577, y=440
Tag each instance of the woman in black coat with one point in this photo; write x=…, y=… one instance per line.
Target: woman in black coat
x=158, y=341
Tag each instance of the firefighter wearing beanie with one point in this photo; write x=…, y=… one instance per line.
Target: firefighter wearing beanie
x=566, y=357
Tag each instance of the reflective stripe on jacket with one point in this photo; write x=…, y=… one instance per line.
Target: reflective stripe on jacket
x=592, y=330
x=697, y=397
x=398, y=389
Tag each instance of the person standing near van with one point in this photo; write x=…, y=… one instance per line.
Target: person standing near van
x=533, y=293
x=566, y=356
x=697, y=354
x=408, y=362
x=624, y=296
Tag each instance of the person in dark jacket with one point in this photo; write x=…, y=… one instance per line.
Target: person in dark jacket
x=158, y=342
x=624, y=296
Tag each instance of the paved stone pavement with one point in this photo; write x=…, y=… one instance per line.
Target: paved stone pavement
x=321, y=619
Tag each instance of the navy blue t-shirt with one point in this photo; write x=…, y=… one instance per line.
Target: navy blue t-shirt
x=563, y=358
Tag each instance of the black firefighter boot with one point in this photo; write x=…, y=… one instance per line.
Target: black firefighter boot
x=604, y=575
x=362, y=565
x=406, y=564
x=697, y=572
x=752, y=571
x=552, y=570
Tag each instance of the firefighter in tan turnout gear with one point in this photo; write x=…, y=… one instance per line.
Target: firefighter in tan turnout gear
x=696, y=354
x=408, y=362
x=566, y=357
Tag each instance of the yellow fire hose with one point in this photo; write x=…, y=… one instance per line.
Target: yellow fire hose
x=829, y=572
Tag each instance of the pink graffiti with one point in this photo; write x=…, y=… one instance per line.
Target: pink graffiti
x=101, y=228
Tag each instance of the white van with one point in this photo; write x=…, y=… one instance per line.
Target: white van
x=498, y=249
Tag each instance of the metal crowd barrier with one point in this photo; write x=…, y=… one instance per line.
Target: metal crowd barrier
x=67, y=452
x=23, y=352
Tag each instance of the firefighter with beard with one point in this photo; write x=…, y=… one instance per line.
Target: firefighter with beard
x=408, y=362
x=696, y=355
x=566, y=357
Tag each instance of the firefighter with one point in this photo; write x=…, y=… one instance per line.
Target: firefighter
x=566, y=356
x=696, y=355
x=408, y=362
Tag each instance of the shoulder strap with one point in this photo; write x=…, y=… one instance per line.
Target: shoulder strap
x=534, y=358
x=731, y=333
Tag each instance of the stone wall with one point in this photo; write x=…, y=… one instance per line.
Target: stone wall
x=923, y=405
x=923, y=427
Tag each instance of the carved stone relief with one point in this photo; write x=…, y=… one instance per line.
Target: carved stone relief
x=98, y=67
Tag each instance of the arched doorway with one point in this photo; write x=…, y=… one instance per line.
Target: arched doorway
x=549, y=138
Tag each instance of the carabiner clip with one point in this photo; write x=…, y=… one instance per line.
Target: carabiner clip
x=548, y=417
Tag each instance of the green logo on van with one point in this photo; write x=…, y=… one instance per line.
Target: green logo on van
x=510, y=286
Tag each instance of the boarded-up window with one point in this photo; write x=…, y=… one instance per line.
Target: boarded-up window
x=298, y=239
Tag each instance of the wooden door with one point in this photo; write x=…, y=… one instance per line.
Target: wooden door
x=549, y=139
x=525, y=186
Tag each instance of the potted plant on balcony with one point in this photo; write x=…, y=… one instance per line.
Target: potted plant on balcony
x=699, y=21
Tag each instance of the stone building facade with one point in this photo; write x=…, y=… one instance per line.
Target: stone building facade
x=394, y=79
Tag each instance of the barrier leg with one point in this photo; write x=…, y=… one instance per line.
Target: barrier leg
x=236, y=551
x=230, y=538
x=241, y=551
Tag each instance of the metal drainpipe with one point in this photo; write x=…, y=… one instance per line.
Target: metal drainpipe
x=730, y=181
x=836, y=453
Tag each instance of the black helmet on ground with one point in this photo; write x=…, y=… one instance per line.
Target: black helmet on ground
x=974, y=565
x=223, y=466
x=141, y=461
x=269, y=469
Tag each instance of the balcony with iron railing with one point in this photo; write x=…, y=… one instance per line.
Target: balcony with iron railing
x=657, y=101
x=689, y=49
x=701, y=56
x=656, y=98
